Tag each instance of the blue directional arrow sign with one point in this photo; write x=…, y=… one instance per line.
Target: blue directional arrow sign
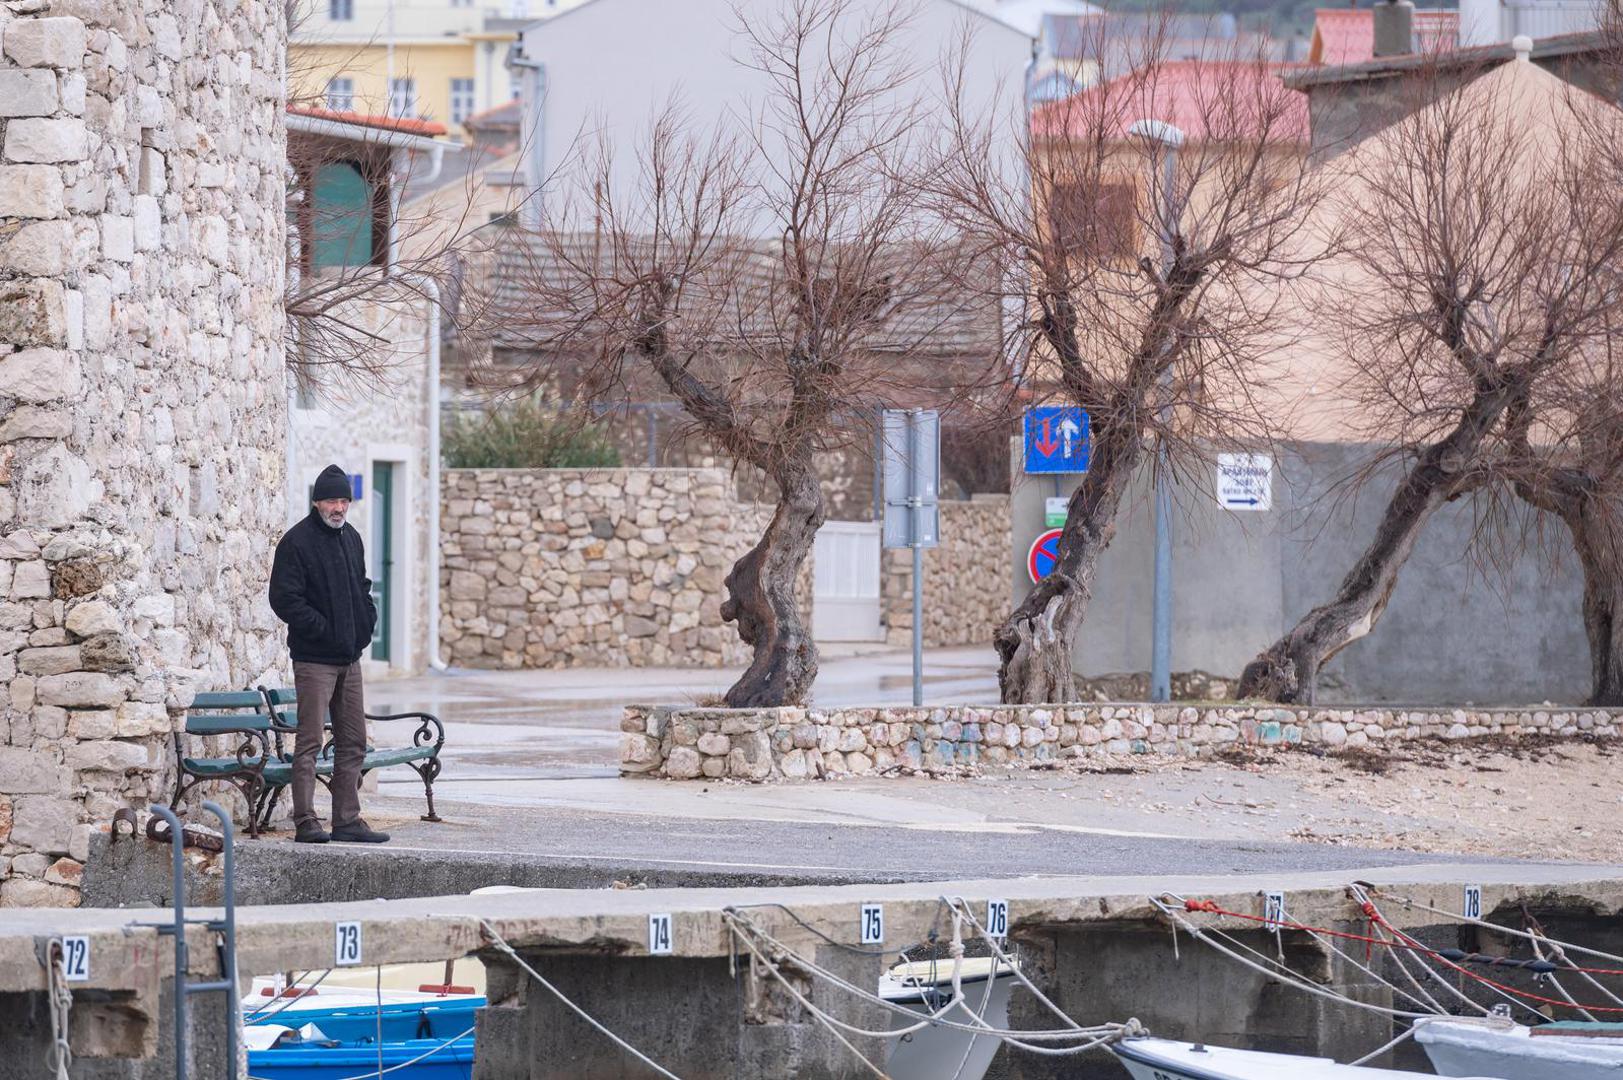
x=1056, y=439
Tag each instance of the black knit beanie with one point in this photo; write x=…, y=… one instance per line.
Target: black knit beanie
x=333, y=483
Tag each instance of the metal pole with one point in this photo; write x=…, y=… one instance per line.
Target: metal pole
x=1161, y=620
x=916, y=509
x=228, y=951
x=179, y=874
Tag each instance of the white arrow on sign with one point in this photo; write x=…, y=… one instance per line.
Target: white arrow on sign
x=1068, y=430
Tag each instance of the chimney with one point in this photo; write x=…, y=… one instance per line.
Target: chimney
x=1394, y=28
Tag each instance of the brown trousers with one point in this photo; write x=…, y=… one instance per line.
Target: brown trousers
x=324, y=687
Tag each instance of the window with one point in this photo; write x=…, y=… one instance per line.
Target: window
x=341, y=94
x=462, y=3
x=518, y=9
x=1097, y=222
x=341, y=10
x=461, y=100
x=342, y=216
x=502, y=220
x=515, y=86
x=402, y=97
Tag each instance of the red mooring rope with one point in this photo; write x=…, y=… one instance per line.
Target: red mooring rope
x=1404, y=941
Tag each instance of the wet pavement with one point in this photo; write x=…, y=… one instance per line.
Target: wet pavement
x=530, y=774
x=506, y=726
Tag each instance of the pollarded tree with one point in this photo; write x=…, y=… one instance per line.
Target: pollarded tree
x=1479, y=282
x=1164, y=327
x=774, y=274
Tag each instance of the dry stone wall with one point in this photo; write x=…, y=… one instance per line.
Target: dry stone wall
x=549, y=568
x=142, y=150
x=966, y=578
x=800, y=744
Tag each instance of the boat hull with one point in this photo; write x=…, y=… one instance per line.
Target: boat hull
x=453, y=1062
x=1164, y=1059
x=1506, y=1050
x=936, y=1053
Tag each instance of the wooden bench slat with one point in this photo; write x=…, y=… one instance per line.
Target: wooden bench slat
x=228, y=699
x=221, y=723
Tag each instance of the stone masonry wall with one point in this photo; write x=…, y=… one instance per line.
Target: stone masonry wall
x=548, y=568
x=966, y=578
x=142, y=149
x=799, y=744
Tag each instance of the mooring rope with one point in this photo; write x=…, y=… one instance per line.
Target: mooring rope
x=501, y=943
x=59, y=1055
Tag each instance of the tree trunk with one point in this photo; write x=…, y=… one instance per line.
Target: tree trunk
x=1034, y=643
x=1288, y=671
x=761, y=599
x=1596, y=523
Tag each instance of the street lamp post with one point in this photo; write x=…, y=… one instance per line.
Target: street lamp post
x=1165, y=140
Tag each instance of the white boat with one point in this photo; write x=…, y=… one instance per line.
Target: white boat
x=943, y=1053
x=1164, y=1059
x=1500, y=1047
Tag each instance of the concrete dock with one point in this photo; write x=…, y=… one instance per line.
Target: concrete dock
x=594, y=938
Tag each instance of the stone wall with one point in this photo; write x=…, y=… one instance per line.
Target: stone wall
x=141, y=407
x=549, y=568
x=798, y=744
x=966, y=593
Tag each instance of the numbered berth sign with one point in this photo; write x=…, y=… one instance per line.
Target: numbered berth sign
x=347, y=944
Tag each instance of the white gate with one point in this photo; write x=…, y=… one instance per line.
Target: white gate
x=846, y=566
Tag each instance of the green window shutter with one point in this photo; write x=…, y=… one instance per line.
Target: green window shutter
x=343, y=217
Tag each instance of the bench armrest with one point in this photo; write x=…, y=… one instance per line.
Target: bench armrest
x=429, y=729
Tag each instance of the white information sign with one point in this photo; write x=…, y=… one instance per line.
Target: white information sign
x=1245, y=481
x=76, y=959
x=997, y=918
x=659, y=935
x=346, y=944
x=1473, y=902
x=873, y=924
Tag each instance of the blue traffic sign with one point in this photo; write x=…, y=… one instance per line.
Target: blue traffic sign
x=1056, y=439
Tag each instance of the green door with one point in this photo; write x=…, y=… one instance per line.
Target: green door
x=382, y=553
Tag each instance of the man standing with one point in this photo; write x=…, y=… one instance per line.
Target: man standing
x=318, y=586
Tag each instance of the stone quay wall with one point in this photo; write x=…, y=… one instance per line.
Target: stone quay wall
x=142, y=151
x=802, y=744
x=552, y=568
x=968, y=569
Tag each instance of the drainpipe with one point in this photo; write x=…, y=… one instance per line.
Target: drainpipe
x=535, y=160
x=431, y=388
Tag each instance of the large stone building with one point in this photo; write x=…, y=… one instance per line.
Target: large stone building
x=142, y=417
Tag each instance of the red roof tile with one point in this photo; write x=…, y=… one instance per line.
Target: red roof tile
x=1187, y=93
x=407, y=124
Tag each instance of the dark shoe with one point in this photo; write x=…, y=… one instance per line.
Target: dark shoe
x=311, y=834
x=358, y=833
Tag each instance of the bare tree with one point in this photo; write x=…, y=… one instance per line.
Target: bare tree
x=1480, y=282
x=1163, y=326
x=774, y=276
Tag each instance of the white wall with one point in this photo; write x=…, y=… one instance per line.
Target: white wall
x=616, y=63
x=353, y=426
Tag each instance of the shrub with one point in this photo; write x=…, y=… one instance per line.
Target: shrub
x=526, y=433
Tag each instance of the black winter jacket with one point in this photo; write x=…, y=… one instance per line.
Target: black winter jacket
x=318, y=586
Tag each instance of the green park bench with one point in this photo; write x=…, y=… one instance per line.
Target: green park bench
x=263, y=722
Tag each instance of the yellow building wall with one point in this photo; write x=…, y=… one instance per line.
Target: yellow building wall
x=432, y=65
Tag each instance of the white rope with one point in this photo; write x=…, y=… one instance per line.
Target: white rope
x=748, y=929
x=1560, y=954
x=1373, y=1054
x=1412, y=903
x=1330, y=943
x=1289, y=976
x=958, y=902
x=1538, y=951
x=59, y=1055
x=501, y=943
x=283, y=1006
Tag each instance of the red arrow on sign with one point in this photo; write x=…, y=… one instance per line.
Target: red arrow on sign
x=1047, y=444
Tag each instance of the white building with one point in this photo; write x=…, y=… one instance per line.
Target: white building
x=612, y=64
x=382, y=428
x=1488, y=22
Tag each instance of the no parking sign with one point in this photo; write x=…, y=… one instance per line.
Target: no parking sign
x=1043, y=555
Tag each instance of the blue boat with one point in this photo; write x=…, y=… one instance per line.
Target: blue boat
x=440, y=1060
x=353, y=1018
